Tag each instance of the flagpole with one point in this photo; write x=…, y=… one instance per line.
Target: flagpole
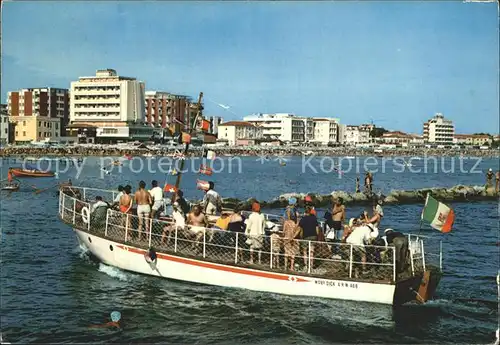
x=422, y=215
x=191, y=130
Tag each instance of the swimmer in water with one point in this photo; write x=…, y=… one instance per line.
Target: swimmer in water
x=115, y=321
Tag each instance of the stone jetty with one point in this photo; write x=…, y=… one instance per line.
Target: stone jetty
x=458, y=193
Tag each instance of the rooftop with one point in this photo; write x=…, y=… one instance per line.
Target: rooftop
x=237, y=124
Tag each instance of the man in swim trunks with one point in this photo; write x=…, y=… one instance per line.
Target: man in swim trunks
x=157, y=196
x=338, y=217
x=197, y=222
x=143, y=201
x=212, y=200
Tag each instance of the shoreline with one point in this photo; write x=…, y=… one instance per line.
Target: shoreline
x=22, y=152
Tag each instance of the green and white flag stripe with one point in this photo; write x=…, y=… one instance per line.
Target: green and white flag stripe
x=440, y=216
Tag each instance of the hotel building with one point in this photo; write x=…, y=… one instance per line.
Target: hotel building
x=439, y=131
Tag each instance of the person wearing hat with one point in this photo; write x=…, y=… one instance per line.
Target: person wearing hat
x=309, y=202
x=359, y=237
x=400, y=243
x=115, y=321
x=255, y=231
x=489, y=178
x=290, y=233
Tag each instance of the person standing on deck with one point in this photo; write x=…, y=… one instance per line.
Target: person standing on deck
x=157, y=198
x=489, y=178
x=310, y=229
x=182, y=203
x=126, y=205
x=290, y=233
x=338, y=217
x=116, y=201
x=143, y=201
x=212, y=201
x=255, y=231
x=308, y=202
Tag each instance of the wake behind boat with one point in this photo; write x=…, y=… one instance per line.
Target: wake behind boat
x=222, y=257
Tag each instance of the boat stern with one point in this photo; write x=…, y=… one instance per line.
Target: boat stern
x=420, y=288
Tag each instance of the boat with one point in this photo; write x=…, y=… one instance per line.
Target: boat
x=221, y=258
x=20, y=172
x=11, y=187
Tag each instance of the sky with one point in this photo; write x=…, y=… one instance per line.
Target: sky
x=393, y=63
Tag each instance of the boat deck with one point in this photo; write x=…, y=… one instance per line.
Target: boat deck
x=322, y=259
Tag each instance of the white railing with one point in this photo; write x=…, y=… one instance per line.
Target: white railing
x=274, y=252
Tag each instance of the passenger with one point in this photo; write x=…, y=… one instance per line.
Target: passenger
x=178, y=224
x=378, y=214
x=237, y=224
x=212, y=201
x=157, y=198
x=116, y=201
x=309, y=202
x=291, y=233
x=255, y=231
x=359, y=237
x=400, y=243
x=126, y=200
x=275, y=243
x=489, y=178
x=222, y=222
x=197, y=223
x=338, y=217
x=182, y=203
x=309, y=227
x=98, y=203
x=143, y=201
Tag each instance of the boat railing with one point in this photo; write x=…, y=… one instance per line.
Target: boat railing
x=320, y=259
x=431, y=255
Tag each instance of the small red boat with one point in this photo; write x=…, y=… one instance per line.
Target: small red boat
x=11, y=187
x=18, y=172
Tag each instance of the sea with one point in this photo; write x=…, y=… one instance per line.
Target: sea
x=52, y=290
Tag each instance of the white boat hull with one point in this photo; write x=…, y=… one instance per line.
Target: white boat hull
x=131, y=258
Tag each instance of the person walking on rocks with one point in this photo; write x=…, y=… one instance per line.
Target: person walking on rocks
x=358, y=190
x=497, y=180
x=489, y=178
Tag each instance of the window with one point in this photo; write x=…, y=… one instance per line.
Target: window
x=39, y=134
x=57, y=126
x=24, y=133
x=6, y=131
x=17, y=133
x=24, y=123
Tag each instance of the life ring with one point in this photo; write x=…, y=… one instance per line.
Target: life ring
x=85, y=214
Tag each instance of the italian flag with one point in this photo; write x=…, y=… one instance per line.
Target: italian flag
x=440, y=216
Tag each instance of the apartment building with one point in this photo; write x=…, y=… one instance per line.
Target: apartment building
x=111, y=105
x=40, y=113
x=439, y=131
x=215, y=121
x=284, y=126
x=325, y=131
x=240, y=133
x=167, y=110
x=472, y=139
x=355, y=135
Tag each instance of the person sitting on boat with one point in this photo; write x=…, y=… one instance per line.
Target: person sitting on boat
x=212, y=201
x=197, y=222
x=290, y=233
x=98, y=203
x=310, y=229
x=237, y=224
x=143, y=201
x=157, y=198
x=116, y=201
x=400, y=243
x=179, y=223
x=255, y=231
